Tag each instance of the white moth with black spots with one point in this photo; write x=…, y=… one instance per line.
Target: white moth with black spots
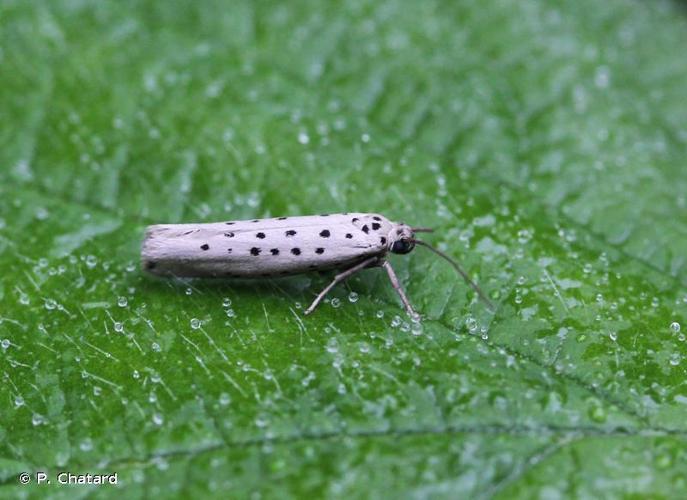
x=283, y=246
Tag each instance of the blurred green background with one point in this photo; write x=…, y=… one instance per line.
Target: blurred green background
x=545, y=141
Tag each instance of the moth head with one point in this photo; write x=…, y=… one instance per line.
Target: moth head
x=401, y=239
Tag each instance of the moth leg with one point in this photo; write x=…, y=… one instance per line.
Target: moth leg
x=397, y=286
x=338, y=279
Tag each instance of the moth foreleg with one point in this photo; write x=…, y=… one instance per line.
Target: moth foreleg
x=338, y=279
x=397, y=286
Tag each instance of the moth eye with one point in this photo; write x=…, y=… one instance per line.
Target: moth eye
x=402, y=246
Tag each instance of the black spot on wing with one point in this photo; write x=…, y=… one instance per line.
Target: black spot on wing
x=325, y=233
x=205, y=246
x=376, y=226
x=319, y=251
x=349, y=236
x=260, y=236
x=255, y=251
x=290, y=232
x=296, y=251
x=366, y=229
x=274, y=251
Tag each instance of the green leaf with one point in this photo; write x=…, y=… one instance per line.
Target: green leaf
x=544, y=141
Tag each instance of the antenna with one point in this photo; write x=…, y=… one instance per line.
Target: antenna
x=459, y=270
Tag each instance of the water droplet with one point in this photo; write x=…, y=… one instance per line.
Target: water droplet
x=332, y=346
x=158, y=419
x=335, y=302
x=524, y=236
x=613, y=336
x=380, y=314
x=91, y=261
x=365, y=138
x=675, y=327
x=152, y=397
x=136, y=375
x=353, y=297
x=86, y=444
x=521, y=280
x=396, y=321
x=303, y=138
x=50, y=304
x=37, y=419
x=118, y=327
x=97, y=390
x=122, y=302
x=224, y=399
x=598, y=414
x=195, y=323
x=602, y=77
x=42, y=213
x=226, y=302
x=5, y=344
x=416, y=328
x=364, y=347
x=189, y=291
x=471, y=324
x=675, y=359
x=587, y=268
x=18, y=401
x=156, y=347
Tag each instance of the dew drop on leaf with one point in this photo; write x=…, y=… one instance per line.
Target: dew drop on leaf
x=303, y=138
x=86, y=444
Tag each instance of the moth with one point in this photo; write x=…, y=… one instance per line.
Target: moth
x=282, y=246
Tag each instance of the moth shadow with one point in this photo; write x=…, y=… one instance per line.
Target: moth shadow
x=299, y=286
